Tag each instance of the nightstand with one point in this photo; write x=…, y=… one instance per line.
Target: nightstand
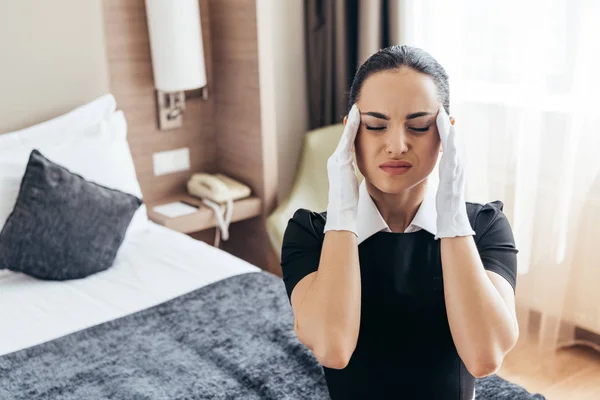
x=247, y=239
x=204, y=218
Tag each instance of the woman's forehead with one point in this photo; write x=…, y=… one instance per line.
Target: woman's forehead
x=398, y=92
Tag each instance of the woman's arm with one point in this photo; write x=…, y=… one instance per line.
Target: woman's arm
x=480, y=306
x=326, y=303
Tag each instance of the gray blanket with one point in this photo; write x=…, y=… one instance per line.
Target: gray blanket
x=233, y=339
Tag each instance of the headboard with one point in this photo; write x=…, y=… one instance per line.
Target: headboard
x=53, y=59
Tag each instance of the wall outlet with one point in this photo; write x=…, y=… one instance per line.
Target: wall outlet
x=167, y=162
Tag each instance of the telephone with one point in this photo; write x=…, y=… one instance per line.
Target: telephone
x=215, y=190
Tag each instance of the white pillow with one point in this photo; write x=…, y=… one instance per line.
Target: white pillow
x=62, y=127
x=99, y=154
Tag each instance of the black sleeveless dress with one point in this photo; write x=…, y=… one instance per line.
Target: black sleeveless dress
x=405, y=349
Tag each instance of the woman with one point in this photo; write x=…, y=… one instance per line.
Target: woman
x=401, y=289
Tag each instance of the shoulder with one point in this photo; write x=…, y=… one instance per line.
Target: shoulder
x=484, y=217
x=492, y=208
x=305, y=224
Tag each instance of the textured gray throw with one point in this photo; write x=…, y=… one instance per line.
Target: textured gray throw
x=233, y=339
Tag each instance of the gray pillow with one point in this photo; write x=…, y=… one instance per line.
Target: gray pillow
x=63, y=226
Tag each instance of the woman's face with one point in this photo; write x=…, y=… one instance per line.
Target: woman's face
x=398, y=112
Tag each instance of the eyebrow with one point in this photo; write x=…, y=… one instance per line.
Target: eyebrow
x=376, y=115
x=418, y=114
x=387, y=118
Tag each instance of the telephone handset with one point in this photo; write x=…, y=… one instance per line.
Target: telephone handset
x=215, y=190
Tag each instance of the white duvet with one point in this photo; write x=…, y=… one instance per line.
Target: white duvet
x=151, y=267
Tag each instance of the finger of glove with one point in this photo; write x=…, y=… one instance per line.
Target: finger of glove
x=350, y=130
x=443, y=124
x=450, y=163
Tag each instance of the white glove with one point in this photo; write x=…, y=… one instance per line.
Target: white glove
x=343, y=184
x=452, y=219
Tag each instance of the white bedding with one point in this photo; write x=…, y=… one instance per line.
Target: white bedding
x=153, y=266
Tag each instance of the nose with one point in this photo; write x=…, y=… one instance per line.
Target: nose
x=397, y=142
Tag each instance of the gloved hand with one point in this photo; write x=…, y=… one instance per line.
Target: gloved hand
x=343, y=184
x=452, y=219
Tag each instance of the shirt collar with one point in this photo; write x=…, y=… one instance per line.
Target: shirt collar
x=370, y=221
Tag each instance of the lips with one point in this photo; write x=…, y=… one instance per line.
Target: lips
x=395, y=167
x=396, y=164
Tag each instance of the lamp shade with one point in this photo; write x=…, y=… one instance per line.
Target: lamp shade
x=176, y=44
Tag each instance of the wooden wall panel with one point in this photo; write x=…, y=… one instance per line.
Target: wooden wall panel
x=131, y=81
x=241, y=146
x=237, y=90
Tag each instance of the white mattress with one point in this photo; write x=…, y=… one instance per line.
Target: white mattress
x=152, y=267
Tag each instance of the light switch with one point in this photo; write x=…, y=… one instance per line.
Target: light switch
x=167, y=162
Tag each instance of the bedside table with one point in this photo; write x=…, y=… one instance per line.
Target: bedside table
x=204, y=218
x=247, y=239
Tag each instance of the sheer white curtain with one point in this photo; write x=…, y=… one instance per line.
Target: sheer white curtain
x=525, y=82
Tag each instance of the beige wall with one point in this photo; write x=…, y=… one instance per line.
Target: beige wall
x=50, y=61
x=283, y=81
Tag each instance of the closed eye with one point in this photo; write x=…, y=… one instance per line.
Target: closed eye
x=424, y=129
x=375, y=128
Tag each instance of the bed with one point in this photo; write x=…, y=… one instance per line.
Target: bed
x=174, y=318
x=152, y=267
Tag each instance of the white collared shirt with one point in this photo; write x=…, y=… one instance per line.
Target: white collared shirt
x=370, y=221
